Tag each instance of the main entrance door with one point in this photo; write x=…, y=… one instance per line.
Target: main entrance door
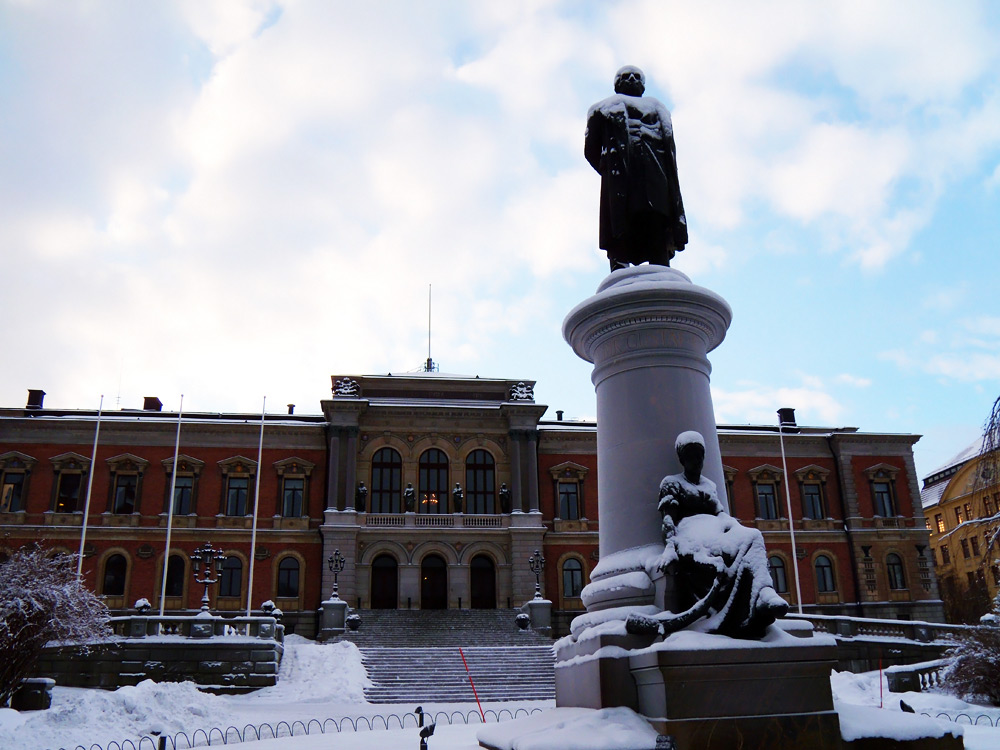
x=385, y=583
x=433, y=583
x=483, y=582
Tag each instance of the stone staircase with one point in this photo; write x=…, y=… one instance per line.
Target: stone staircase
x=412, y=656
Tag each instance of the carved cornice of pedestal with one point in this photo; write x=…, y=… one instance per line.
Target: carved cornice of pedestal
x=647, y=311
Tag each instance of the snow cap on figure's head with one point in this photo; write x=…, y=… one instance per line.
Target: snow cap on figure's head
x=688, y=437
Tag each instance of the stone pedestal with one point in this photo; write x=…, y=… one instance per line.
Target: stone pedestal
x=333, y=618
x=648, y=331
x=540, y=612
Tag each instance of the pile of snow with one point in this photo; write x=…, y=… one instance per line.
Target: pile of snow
x=316, y=673
x=572, y=729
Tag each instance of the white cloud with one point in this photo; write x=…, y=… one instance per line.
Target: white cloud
x=853, y=380
x=759, y=405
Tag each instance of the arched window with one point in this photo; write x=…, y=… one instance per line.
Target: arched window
x=824, y=575
x=894, y=566
x=175, y=576
x=572, y=575
x=387, y=481
x=776, y=566
x=288, y=578
x=433, y=482
x=115, y=570
x=480, y=490
x=231, y=582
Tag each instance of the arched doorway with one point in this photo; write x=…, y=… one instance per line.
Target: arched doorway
x=385, y=583
x=483, y=582
x=433, y=583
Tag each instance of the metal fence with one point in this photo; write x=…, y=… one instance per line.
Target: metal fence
x=251, y=732
x=983, y=720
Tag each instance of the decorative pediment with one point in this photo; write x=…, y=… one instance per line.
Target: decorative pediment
x=569, y=470
x=812, y=473
x=128, y=463
x=765, y=473
x=70, y=462
x=881, y=472
x=294, y=466
x=13, y=460
x=729, y=472
x=185, y=465
x=238, y=465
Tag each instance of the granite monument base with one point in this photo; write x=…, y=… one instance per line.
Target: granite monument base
x=710, y=691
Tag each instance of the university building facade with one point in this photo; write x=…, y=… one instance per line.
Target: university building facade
x=436, y=489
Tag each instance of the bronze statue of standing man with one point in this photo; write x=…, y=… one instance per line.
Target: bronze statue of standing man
x=630, y=141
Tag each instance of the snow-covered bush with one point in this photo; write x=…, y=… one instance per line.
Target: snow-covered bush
x=975, y=669
x=42, y=600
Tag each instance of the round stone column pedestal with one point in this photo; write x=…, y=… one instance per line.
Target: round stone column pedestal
x=648, y=331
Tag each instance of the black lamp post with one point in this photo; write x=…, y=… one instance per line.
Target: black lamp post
x=537, y=563
x=208, y=562
x=336, y=564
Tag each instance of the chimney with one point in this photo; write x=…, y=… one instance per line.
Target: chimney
x=152, y=403
x=786, y=417
x=291, y=408
x=559, y=414
x=35, y=399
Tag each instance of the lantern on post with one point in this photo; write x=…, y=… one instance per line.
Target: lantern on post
x=537, y=563
x=206, y=562
x=336, y=564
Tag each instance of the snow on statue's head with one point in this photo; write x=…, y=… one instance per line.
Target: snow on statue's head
x=687, y=438
x=630, y=80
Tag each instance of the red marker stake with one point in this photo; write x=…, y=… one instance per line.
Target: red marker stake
x=473, y=685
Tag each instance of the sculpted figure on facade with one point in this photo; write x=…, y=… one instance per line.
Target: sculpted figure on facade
x=456, y=497
x=719, y=565
x=409, y=498
x=630, y=142
x=361, y=498
x=504, y=494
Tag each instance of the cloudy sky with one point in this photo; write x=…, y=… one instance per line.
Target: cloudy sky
x=237, y=199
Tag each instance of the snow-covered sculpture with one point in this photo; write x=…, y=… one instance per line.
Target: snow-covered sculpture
x=630, y=141
x=720, y=566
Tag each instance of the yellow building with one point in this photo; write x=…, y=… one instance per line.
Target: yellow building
x=961, y=503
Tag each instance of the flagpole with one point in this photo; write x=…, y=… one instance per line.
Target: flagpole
x=90, y=487
x=170, y=507
x=256, y=501
x=791, y=522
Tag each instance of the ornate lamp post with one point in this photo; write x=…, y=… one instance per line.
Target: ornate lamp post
x=208, y=562
x=537, y=563
x=336, y=564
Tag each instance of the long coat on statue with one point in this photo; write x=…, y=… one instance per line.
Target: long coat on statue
x=630, y=142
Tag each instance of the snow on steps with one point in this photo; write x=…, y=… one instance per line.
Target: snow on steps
x=441, y=627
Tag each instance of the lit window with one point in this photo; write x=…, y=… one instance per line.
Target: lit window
x=958, y=515
x=988, y=505
x=776, y=566
x=968, y=512
x=288, y=578
x=894, y=567
x=432, y=481
x=68, y=492
x=824, y=575
x=767, y=501
x=572, y=572
x=939, y=522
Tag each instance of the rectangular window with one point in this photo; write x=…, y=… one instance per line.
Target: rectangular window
x=965, y=548
x=883, y=499
x=569, y=501
x=968, y=512
x=237, y=490
x=975, y=545
x=183, y=492
x=988, y=505
x=945, y=555
x=124, y=496
x=292, y=491
x=68, y=492
x=767, y=502
x=971, y=578
x=812, y=501
x=939, y=522
x=958, y=516
x=11, y=491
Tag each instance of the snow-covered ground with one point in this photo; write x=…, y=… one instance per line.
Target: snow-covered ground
x=327, y=681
